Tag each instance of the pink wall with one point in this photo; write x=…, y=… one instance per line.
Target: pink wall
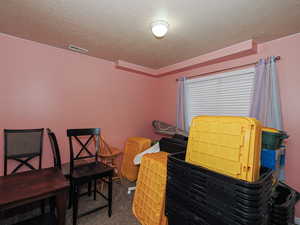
x=43, y=86
x=289, y=77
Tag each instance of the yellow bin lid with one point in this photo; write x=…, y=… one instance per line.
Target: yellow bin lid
x=269, y=129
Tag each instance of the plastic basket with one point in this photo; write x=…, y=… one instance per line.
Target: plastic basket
x=283, y=205
x=237, y=205
x=226, y=144
x=198, y=189
x=219, y=192
x=219, y=217
x=133, y=146
x=190, y=173
x=196, y=202
x=179, y=215
x=149, y=198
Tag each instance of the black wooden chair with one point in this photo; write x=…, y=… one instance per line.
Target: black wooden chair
x=55, y=149
x=65, y=167
x=23, y=146
x=90, y=172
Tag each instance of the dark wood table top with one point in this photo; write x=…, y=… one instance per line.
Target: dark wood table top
x=22, y=187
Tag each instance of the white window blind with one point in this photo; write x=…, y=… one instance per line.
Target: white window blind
x=226, y=94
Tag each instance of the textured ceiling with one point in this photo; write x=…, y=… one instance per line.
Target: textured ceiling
x=120, y=30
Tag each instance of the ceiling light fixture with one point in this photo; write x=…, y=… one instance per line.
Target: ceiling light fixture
x=159, y=28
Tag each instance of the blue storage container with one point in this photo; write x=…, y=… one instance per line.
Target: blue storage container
x=282, y=160
x=271, y=158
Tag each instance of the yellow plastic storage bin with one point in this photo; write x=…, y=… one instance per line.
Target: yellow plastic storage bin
x=226, y=144
x=149, y=198
x=133, y=146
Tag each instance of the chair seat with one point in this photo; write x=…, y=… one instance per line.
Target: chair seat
x=91, y=170
x=114, y=152
x=65, y=168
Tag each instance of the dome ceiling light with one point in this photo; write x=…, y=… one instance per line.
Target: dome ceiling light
x=159, y=28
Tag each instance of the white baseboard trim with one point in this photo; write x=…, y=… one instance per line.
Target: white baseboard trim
x=297, y=220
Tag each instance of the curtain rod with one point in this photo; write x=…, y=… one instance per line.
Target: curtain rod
x=234, y=67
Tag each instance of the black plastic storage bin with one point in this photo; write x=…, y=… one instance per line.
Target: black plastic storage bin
x=173, y=145
x=210, y=215
x=180, y=215
x=181, y=172
x=283, y=205
x=203, y=179
x=215, y=197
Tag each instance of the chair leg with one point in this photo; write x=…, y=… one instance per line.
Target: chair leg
x=95, y=189
x=116, y=170
x=75, y=204
x=89, y=189
x=110, y=195
x=52, y=206
x=99, y=185
x=71, y=194
x=43, y=207
x=102, y=186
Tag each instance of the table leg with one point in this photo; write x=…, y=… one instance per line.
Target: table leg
x=110, y=195
x=75, y=203
x=61, y=206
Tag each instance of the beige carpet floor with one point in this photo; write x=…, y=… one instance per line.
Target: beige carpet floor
x=121, y=209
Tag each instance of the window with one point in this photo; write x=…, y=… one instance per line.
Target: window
x=226, y=94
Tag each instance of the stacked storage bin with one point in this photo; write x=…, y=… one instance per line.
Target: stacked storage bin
x=283, y=205
x=219, y=180
x=149, y=198
x=272, y=138
x=133, y=146
x=200, y=196
x=227, y=145
x=175, y=144
x=273, y=153
x=283, y=197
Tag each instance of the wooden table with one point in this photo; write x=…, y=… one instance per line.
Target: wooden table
x=27, y=187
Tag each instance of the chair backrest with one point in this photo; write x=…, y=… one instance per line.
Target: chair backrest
x=55, y=149
x=22, y=146
x=83, y=137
